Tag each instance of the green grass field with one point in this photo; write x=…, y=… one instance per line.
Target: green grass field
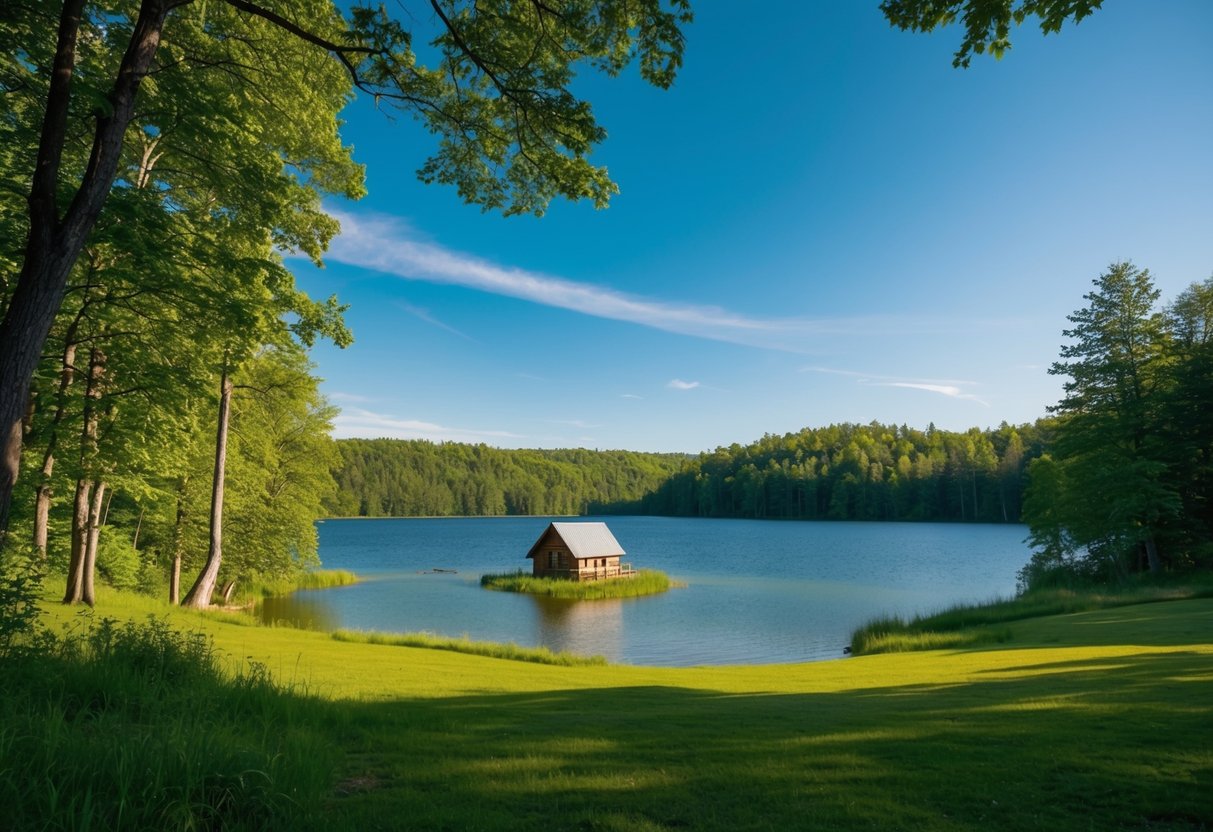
x=1085, y=721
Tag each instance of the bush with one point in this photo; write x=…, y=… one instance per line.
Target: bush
x=117, y=561
x=20, y=582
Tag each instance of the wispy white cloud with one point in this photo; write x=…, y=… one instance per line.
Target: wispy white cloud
x=952, y=388
x=388, y=245
x=679, y=384
x=366, y=424
x=424, y=315
x=630, y=396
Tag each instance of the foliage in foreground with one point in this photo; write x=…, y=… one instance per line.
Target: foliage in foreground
x=137, y=726
x=1104, y=717
x=494, y=650
x=966, y=625
x=645, y=582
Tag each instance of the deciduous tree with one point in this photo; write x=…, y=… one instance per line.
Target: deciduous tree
x=511, y=134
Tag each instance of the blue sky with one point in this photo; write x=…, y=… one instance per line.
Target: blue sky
x=821, y=221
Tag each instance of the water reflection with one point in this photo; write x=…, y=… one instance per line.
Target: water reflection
x=756, y=591
x=583, y=627
x=306, y=609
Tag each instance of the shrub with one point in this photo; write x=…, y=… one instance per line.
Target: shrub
x=117, y=561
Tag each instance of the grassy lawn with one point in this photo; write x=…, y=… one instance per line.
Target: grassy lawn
x=1091, y=720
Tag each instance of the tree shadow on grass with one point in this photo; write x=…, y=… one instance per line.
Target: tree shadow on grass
x=1121, y=743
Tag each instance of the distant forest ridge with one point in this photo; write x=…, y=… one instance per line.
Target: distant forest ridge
x=839, y=472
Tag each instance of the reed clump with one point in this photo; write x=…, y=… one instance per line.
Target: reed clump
x=644, y=582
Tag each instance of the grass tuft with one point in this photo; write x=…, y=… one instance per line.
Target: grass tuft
x=645, y=582
x=512, y=652
x=966, y=625
x=326, y=579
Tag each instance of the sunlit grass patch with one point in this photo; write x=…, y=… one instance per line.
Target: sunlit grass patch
x=892, y=635
x=966, y=625
x=513, y=652
x=645, y=582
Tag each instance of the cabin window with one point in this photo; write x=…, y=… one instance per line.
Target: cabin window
x=553, y=560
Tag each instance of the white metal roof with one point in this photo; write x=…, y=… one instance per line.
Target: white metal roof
x=585, y=540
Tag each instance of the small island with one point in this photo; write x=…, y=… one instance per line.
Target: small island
x=579, y=561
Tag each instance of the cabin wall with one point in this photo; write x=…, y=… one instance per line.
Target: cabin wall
x=542, y=565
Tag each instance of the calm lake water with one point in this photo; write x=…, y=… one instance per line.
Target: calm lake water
x=757, y=591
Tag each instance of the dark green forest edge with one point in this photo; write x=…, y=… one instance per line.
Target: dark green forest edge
x=840, y=472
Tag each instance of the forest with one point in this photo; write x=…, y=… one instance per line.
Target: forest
x=840, y=472
x=411, y=478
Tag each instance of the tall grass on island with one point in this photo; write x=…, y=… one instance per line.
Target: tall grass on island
x=968, y=625
x=644, y=582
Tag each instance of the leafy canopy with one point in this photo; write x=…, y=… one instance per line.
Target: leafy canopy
x=987, y=23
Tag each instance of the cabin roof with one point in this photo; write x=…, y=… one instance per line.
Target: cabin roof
x=584, y=540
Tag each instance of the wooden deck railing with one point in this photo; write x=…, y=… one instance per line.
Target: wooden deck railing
x=597, y=573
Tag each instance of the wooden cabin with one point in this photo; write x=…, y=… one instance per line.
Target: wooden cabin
x=578, y=552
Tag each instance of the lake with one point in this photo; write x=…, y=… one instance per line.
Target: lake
x=756, y=591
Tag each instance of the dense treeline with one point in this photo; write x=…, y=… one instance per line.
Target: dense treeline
x=1128, y=486
x=399, y=478
x=844, y=472
x=858, y=472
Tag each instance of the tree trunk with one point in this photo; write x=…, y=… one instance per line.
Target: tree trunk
x=53, y=243
x=88, y=594
x=174, y=581
x=1152, y=555
x=75, y=568
x=77, y=575
x=42, y=507
x=138, y=528
x=199, y=595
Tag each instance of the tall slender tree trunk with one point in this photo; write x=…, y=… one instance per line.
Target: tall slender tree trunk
x=174, y=581
x=88, y=589
x=138, y=528
x=76, y=571
x=204, y=587
x=1152, y=557
x=54, y=243
x=42, y=505
x=74, y=592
